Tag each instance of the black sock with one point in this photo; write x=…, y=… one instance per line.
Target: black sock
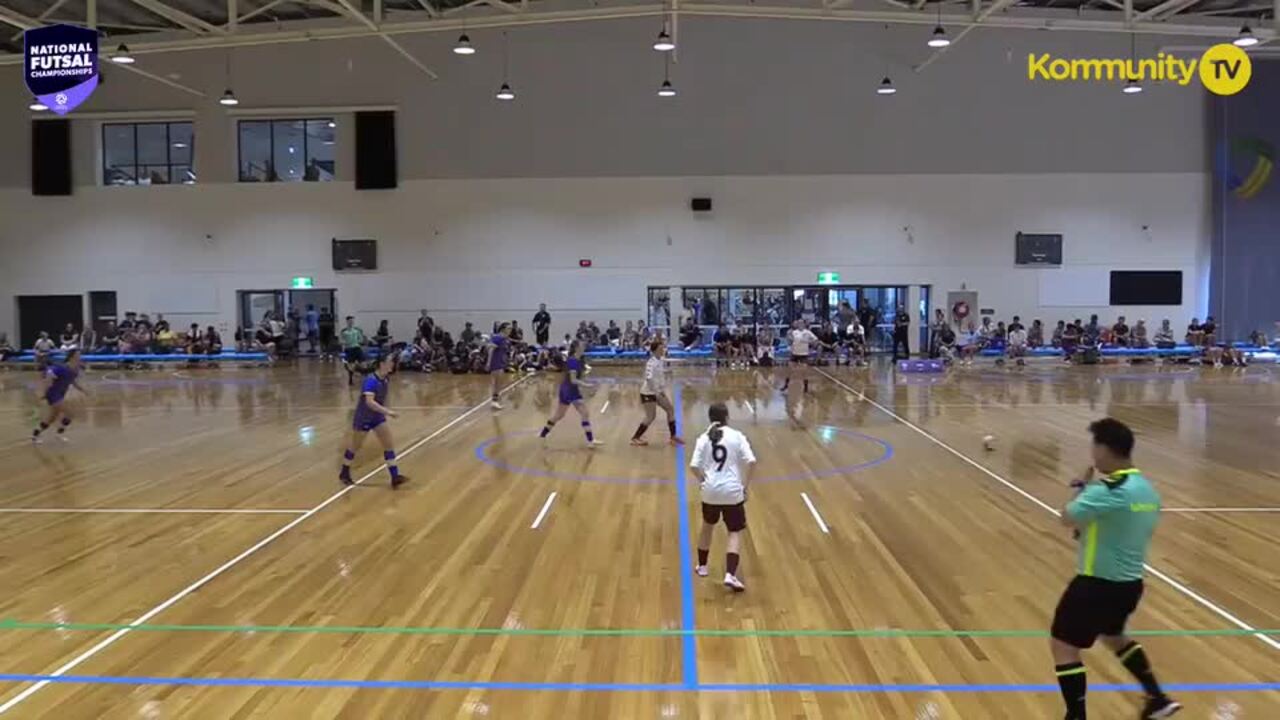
x=43, y=426
x=547, y=428
x=671, y=425
x=66, y=422
x=1074, y=685
x=640, y=431
x=702, y=555
x=1134, y=659
x=806, y=386
x=731, y=563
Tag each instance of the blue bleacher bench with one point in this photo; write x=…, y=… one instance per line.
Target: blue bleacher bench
x=28, y=357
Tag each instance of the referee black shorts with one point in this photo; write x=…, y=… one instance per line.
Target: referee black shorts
x=1091, y=607
x=735, y=516
x=646, y=398
x=354, y=354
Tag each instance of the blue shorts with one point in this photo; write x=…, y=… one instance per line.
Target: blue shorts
x=54, y=398
x=367, y=424
x=569, y=394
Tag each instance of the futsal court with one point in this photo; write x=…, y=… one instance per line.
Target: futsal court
x=191, y=554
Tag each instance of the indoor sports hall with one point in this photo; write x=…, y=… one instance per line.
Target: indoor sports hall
x=547, y=359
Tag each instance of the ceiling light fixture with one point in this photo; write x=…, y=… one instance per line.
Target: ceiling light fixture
x=664, y=43
x=464, y=46
x=505, y=92
x=666, y=90
x=939, y=37
x=122, y=56
x=1245, y=38
x=228, y=99
x=1132, y=87
x=886, y=87
x=37, y=106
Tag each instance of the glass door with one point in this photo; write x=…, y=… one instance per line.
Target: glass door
x=255, y=304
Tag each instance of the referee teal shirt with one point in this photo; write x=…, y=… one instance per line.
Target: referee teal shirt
x=1117, y=517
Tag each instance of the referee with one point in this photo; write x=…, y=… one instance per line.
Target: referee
x=1114, y=519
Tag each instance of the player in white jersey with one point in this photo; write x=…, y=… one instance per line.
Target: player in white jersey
x=802, y=341
x=722, y=460
x=653, y=393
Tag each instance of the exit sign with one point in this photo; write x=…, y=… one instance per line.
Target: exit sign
x=303, y=283
x=828, y=278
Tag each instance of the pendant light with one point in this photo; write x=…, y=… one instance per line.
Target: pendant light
x=939, y=38
x=1132, y=87
x=228, y=98
x=1245, y=38
x=122, y=56
x=464, y=46
x=505, y=92
x=886, y=87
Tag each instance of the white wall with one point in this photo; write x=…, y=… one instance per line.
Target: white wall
x=778, y=122
x=492, y=249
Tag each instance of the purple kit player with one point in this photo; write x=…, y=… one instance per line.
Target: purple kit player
x=571, y=394
x=55, y=384
x=499, y=350
x=371, y=414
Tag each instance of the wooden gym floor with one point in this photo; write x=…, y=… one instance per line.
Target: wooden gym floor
x=191, y=555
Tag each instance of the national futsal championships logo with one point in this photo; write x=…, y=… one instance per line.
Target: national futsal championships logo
x=61, y=65
x=1223, y=69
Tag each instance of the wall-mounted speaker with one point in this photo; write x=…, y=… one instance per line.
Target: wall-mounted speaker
x=50, y=157
x=700, y=204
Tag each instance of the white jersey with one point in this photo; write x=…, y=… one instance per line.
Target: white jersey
x=655, y=377
x=723, y=465
x=800, y=342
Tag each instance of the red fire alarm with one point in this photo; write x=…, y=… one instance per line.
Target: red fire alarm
x=584, y=263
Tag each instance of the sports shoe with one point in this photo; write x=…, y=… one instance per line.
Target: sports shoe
x=677, y=441
x=398, y=480
x=595, y=444
x=1161, y=707
x=345, y=478
x=495, y=404
x=37, y=440
x=733, y=583
x=701, y=571
x=639, y=442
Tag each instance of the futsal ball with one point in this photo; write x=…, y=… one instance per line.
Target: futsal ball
x=989, y=442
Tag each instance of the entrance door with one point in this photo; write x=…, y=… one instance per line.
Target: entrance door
x=255, y=304
x=48, y=313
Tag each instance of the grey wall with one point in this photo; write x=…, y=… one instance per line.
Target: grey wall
x=1245, y=267
x=756, y=98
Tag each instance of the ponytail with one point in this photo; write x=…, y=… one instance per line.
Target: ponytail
x=718, y=414
x=715, y=433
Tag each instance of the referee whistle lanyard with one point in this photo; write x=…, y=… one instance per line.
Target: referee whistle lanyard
x=1117, y=478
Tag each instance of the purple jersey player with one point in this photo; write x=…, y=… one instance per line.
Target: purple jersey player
x=371, y=415
x=571, y=394
x=499, y=354
x=56, y=382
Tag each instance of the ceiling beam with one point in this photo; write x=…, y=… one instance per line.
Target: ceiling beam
x=377, y=30
x=17, y=19
x=1164, y=10
x=178, y=17
x=259, y=11
x=322, y=30
x=233, y=16
x=41, y=17
x=431, y=9
x=162, y=80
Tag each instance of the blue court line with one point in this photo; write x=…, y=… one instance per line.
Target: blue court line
x=688, y=642
x=613, y=687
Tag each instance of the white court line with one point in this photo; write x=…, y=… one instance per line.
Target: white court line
x=814, y=511
x=157, y=511
x=1222, y=510
x=1221, y=612
x=546, y=507
x=604, y=407
x=750, y=409
x=142, y=619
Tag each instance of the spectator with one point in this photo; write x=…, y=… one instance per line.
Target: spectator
x=1001, y=332
x=327, y=325
x=828, y=343
x=129, y=322
x=901, y=330
x=630, y=341
x=868, y=316
x=1195, y=333
x=1016, y=346
x=1058, y=334
x=276, y=328
x=1071, y=338
x=469, y=335
x=1035, y=336
x=947, y=345
x=1016, y=324
x=642, y=333
x=969, y=342
x=352, y=339
x=165, y=340
x=935, y=331
x=7, y=350
x=44, y=345
x=856, y=342
x=516, y=334
x=312, y=322
x=1210, y=330
x=382, y=338
x=1164, y=336
x=690, y=334
x=194, y=340
x=614, y=335
x=143, y=338
x=596, y=334
x=109, y=343
x=542, y=325
x=1139, y=337
x=1091, y=334
x=1258, y=339
x=161, y=323
x=1120, y=333
x=212, y=341
x=426, y=324
x=144, y=320
x=70, y=339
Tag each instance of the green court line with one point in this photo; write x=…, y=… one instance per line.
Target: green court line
x=595, y=632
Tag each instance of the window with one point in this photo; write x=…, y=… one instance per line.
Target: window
x=152, y=153
x=296, y=150
x=660, y=308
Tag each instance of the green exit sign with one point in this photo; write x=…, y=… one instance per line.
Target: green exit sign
x=828, y=278
x=303, y=283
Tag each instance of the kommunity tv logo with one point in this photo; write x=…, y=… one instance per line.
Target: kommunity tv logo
x=1223, y=69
